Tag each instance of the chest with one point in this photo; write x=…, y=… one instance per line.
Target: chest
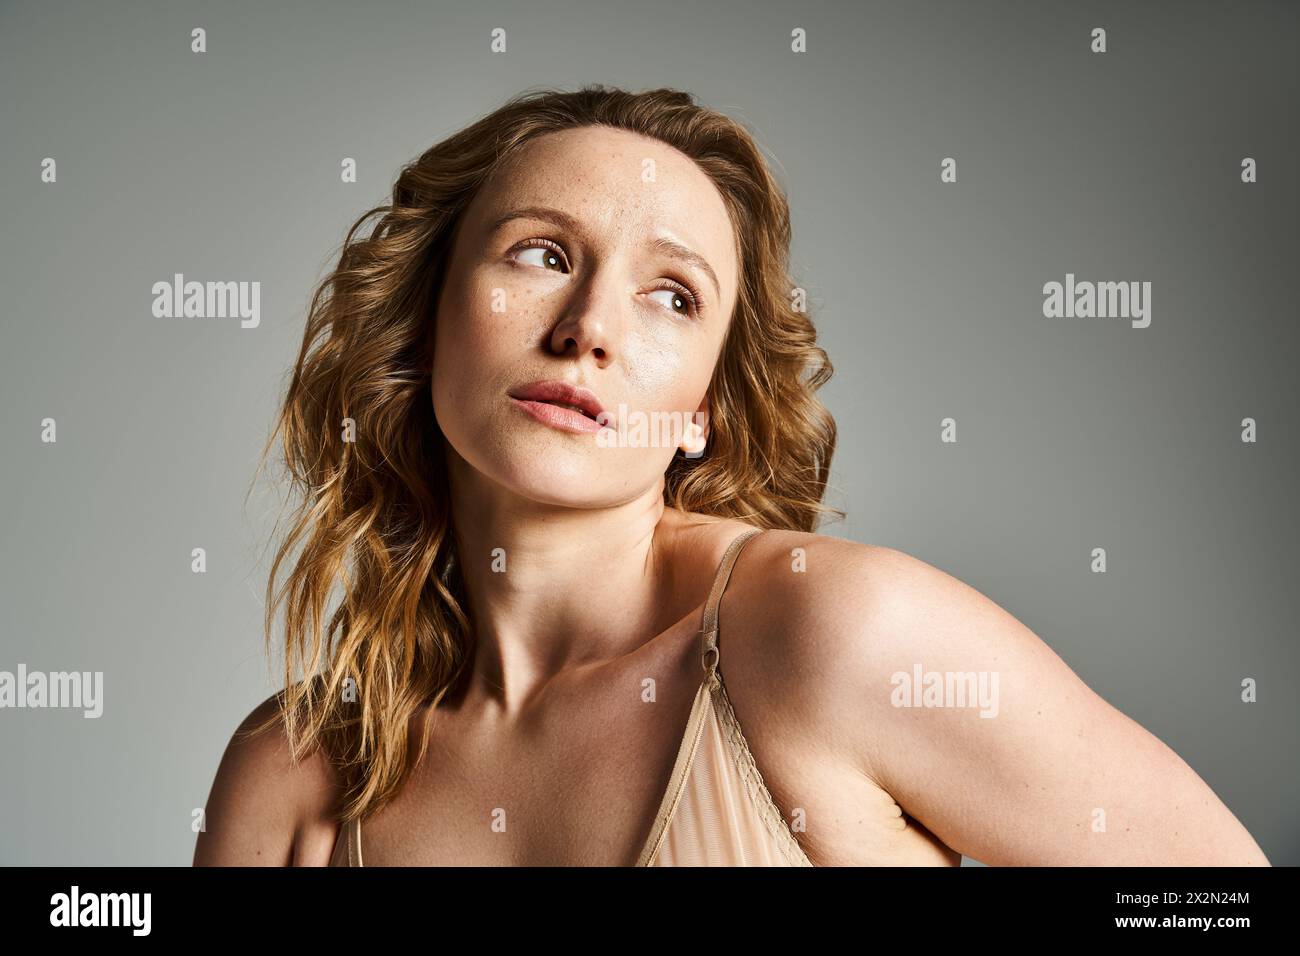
x=578, y=786
x=553, y=799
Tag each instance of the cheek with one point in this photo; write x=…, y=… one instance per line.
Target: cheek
x=462, y=359
x=668, y=368
x=458, y=321
x=486, y=327
x=488, y=313
x=470, y=335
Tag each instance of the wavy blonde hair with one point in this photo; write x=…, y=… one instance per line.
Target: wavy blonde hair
x=375, y=516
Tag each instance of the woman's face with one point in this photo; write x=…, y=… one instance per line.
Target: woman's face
x=598, y=258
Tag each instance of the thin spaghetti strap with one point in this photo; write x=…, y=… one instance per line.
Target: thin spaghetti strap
x=354, y=847
x=709, y=628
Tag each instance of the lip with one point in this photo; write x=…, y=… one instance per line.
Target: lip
x=539, y=400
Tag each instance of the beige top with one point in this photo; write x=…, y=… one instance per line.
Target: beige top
x=716, y=811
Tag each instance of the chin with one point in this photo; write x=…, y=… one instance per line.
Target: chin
x=574, y=480
x=556, y=468
x=547, y=473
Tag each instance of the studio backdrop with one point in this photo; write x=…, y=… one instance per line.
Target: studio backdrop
x=1050, y=250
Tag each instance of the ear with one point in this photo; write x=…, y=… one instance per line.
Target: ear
x=696, y=433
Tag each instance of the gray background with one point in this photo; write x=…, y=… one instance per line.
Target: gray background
x=1073, y=434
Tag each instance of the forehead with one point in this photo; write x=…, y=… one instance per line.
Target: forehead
x=622, y=187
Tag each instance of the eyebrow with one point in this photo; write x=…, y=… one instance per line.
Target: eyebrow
x=565, y=221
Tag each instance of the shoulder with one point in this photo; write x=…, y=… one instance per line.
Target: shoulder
x=875, y=661
x=825, y=626
x=265, y=808
x=836, y=587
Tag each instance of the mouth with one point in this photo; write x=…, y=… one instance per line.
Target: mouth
x=570, y=408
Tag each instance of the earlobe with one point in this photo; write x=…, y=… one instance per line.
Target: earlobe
x=696, y=434
x=693, y=440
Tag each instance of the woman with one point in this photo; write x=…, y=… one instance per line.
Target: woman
x=541, y=594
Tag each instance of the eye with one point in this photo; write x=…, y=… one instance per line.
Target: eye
x=549, y=253
x=680, y=298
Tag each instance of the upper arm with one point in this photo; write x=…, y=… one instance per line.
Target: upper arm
x=260, y=800
x=1053, y=775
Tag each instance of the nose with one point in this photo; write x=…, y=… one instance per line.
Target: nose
x=591, y=322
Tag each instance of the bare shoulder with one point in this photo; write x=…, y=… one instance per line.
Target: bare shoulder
x=264, y=808
x=884, y=664
x=841, y=617
x=814, y=591
x=801, y=607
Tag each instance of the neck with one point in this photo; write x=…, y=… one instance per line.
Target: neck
x=552, y=587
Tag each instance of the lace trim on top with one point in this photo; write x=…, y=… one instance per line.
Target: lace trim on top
x=758, y=792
